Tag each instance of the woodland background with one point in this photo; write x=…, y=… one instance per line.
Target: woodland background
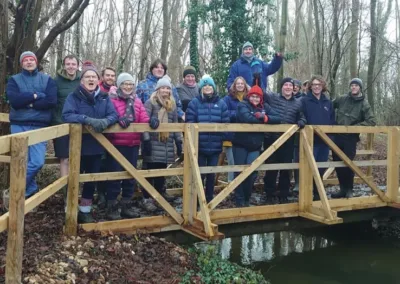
x=335, y=38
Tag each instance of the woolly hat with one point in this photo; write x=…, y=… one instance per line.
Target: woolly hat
x=27, y=54
x=89, y=66
x=357, y=81
x=207, y=80
x=247, y=44
x=189, y=70
x=287, y=80
x=164, y=82
x=256, y=90
x=124, y=77
x=297, y=82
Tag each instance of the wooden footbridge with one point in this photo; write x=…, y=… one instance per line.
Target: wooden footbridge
x=203, y=223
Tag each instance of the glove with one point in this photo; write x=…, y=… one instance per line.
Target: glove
x=262, y=117
x=99, y=125
x=124, y=122
x=147, y=148
x=179, y=148
x=154, y=123
x=301, y=124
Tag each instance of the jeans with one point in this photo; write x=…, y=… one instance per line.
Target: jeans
x=90, y=164
x=156, y=182
x=243, y=191
x=36, y=156
x=284, y=154
x=348, y=144
x=128, y=185
x=231, y=161
x=208, y=161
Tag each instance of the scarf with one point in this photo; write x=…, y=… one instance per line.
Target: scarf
x=240, y=96
x=249, y=59
x=129, y=104
x=89, y=96
x=167, y=105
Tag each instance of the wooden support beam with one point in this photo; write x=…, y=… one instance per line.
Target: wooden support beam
x=370, y=147
x=187, y=181
x=317, y=178
x=305, y=172
x=5, y=159
x=257, y=162
x=75, y=146
x=357, y=180
x=136, y=175
x=125, y=175
x=392, y=178
x=205, y=214
x=4, y=117
x=328, y=173
x=15, y=238
x=197, y=229
x=239, y=127
x=144, y=127
x=350, y=163
x=195, y=134
x=352, y=129
x=320, y=219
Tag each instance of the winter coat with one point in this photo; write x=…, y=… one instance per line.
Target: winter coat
x=162, y=152
x=243, y=68
x=299, y=95
x=201, y=110
x=104, y=88
x=252, y=141
x=232, y=103
x=25, y=110
x=148, y=86
x=128, y=138
x=65, y=86
x=186, y=94
x=290, y=110
x=352, y=110
x=318, y=112
x=77, y=108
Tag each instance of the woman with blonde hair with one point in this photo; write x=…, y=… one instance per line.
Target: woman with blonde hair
x=158, y=147
x=237, y=92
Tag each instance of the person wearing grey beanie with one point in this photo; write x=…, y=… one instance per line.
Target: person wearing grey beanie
x=351, y=109
x=124, y=77
x=163, y=82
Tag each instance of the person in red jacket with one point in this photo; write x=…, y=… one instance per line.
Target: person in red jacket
x=130, y=109
x=107, y=80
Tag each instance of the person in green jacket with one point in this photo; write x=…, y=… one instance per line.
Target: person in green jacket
x=67, y=80
x=351, y=109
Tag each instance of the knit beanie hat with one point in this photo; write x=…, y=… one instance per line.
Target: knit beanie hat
x=189, y=70
x=256, y=90
x=207, y=80
x=247, y=44
x=357, y=81
x=297, y=82
x=286, y=80
x=89, y=66
x=27, y=54
x=124, y=77
x=164, y=82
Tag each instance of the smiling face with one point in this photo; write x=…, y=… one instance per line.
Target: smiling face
x=316, y=87
x=240, y=85
x=355, y=89
x=189, y=80
x=207, y=90
x=165, y=92
x=248, y=51
x=254, y=99
x=109, y=77
x=296, y=89
x=158, y=71
x=90, y=80
x=287, y=90
x=29, y=63
x=71, y=66
x=127, y=87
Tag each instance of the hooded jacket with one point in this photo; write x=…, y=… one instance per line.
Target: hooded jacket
x=353, y=110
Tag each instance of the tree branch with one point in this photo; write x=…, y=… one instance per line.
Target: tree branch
x=44, y=20
x=12, y=8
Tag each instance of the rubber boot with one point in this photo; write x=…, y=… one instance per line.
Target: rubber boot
x=84, y=218
x=112, y=210
x=126, y=209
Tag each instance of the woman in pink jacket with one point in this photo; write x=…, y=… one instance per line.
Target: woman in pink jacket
x=130, y=109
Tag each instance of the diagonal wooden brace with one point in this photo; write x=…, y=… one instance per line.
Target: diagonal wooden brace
x=350, y=164
x=136, y=175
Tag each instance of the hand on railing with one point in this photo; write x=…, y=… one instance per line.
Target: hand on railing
x=154, y=123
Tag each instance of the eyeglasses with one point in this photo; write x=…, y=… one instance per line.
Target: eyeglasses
x=128, y=84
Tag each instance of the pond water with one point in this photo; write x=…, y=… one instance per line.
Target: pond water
x=344, y=254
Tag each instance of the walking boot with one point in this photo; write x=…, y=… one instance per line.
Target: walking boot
x=342, y=193
x=101, y=200
x=112, y=210
x=84, y=218
x=148, y=205
x=127, y=210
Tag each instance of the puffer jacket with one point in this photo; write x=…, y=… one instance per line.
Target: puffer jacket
x=128, y=138
x=353, y=110
x=290, y=110
x=252, y=141
x=201, y=110
x=232, y=103
x=161, y=152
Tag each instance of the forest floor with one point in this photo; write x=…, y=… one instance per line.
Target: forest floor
x=51, y=257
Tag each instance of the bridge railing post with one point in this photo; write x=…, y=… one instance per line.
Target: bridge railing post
x=187, y=207
x=305, y=172
x=392, y=164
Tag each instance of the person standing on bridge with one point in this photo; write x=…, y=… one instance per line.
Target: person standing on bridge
x=107, y=83
x=351, y=109
x=189, y=89
x=32, y=96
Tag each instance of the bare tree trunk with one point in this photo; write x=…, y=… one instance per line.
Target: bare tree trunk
x=318, y=35
x=355, y=11
x=194, y=51
x=3, y=59
x=145, y=40
x=337, y=52
x=61, y=43
x=372, y=55
x=165, y=31
x=282, y=38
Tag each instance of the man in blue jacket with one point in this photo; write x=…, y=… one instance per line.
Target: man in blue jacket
x=32, y=96
x=248, y=64
x=318, y=110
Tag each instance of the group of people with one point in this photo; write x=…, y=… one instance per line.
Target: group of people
x=103, y=99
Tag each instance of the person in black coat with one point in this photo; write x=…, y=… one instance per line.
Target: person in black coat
x=246, y=146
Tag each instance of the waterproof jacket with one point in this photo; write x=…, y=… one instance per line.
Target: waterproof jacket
x=65, y=86
x=161, y=152
x=186, y=94
x=290, y=110
x=243, y=68
x=77, y=108
x=232, y=103
x=148, y=86
x=353, y=110
x=252, y=141
x=128, y=138
x=203, y=110
x=25, y=110
x=318, y=112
